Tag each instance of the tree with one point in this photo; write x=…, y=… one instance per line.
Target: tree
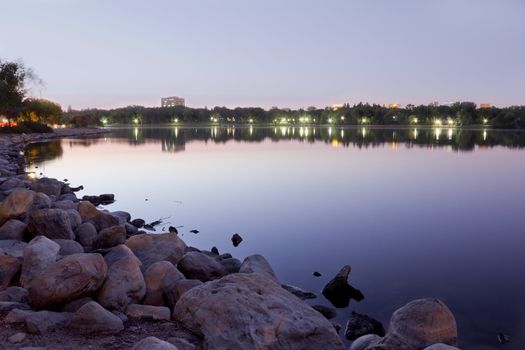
x=13, y=79
x=41, y=110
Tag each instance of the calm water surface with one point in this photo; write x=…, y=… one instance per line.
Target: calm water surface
x=416, y=213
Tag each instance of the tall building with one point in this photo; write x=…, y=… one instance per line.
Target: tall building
x=172, y=101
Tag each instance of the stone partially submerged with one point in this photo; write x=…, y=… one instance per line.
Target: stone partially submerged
x=339, y=292
x=252, y=311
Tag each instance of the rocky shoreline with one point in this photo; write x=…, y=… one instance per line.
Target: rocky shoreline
x=73, y=275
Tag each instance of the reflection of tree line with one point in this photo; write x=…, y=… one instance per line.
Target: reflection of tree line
x=175, y=139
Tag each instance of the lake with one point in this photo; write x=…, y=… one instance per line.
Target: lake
x=415, y=212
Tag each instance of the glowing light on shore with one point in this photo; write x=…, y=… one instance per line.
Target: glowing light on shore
x=450, y=121
x=438, y=122
x=485, y=120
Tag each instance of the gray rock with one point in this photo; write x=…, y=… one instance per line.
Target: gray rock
x=13, y=229
x=148, y=311
x=93, y=318
x=359, y=325
x=124, y=284
x=152, y=343
x=181, y=287
x=16, y=205
x=12, y=247
x=151, y=248
x=74, y=305
x=74, y=218
x=65, y=204
x=9, y=267
x=110, y=237
x=195, y=265
x=251, y=311
x=298, y=292
x=365, y=342
x=419, y=324
x=160, y=279
x=11, y=184
x=74, y=277
x=181, y=344
x=41, y=201
x=49, y=186
x=68, y=247
x=130, y=229
x=69, y=196
x=101, y=220
x=123, y=216
x=257, y=264
x=17, y=316
x=17, y=338
x=46, y=321
x=38, y=255
x=138, y=223
x=231, y=265
x=17, y=294
x=440, y=346
x=87, y=234
x=7, y=306
x=52, y=223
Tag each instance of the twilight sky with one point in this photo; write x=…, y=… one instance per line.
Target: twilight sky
x=287, y=53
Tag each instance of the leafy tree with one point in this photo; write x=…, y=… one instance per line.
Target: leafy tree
x=42, y=110
x=13, y=79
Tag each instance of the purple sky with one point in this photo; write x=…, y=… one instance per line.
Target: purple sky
x=291, y=53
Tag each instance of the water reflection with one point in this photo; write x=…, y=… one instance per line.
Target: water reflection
x=174, y=139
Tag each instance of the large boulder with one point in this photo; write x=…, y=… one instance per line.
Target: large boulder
x=252, y=311
x=440, y=346
x=257, y=264
x=110, y=237
x=13, y=229
x=124, y=284
x=151, y=248
x=46, y=321
x=419, y=324
x=74, y=218
x=16, y=205
x=195, y=265
x=12, y=247
x=49, y=186
x=101, y=220
x=52, y=223
x=152, y=343
x=73, y=277
x=41, y=201
x=93, y=318
x=11, y=183
x=9, y=267
x=38, y=255
x=160, y=279
x=86, y=234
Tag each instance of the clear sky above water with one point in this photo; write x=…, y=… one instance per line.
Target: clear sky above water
x=290, y=53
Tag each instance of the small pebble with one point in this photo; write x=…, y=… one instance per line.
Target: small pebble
x=316, y=274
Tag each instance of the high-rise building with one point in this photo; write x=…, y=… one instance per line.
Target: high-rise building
x=172, y=101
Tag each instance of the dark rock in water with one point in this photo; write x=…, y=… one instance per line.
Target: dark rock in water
x=95, y=200
x=172, y=229
x=339, y=292
x=326, y=311
x=215, y=251
x=138, y=223
x=316, y=274
x=107, y=198
x=359, y=325
x=298, y=292
x=236, y=240
x=149, y=227
x=503, y=338
x=76, y=189
x=194, y=231
x=102, y=199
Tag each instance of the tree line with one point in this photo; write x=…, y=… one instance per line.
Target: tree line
x=16, y=106
x=457, y=114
